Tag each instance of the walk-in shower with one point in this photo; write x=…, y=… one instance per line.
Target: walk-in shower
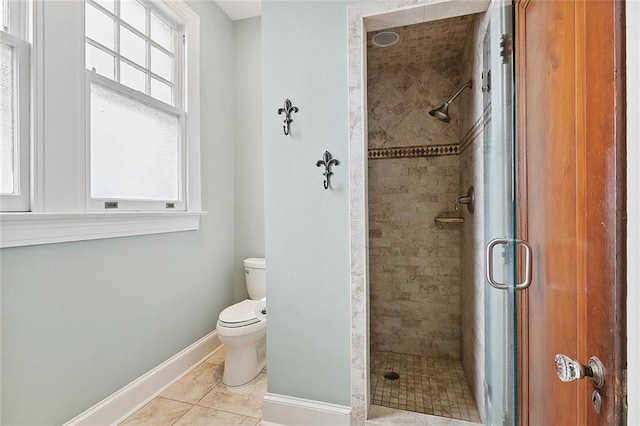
x=419, y=343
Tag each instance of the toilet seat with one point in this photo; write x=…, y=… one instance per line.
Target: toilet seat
x=241, y=314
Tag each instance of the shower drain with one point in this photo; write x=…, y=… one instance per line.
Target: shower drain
x=391, y=375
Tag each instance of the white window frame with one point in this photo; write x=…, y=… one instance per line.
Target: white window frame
x=19, y=26
x=19, y=201
x=102, y=204
x=17, y=38
x=59, y=210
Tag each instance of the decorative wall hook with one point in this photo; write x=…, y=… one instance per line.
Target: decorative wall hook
x=288, y=109
x=327, y=161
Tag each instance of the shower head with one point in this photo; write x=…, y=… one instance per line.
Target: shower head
x=442, y=112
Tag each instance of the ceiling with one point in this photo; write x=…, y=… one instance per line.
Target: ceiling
x=241, y=9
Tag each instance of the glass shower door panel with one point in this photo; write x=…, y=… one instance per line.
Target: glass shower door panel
x=499, y=220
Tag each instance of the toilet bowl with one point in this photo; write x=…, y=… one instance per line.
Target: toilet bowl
x=242, y=332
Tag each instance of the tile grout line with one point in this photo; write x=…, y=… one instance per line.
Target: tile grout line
x=226, y=411
x=190, y=406
x=185, y=413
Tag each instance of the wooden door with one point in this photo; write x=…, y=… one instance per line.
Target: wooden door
x=570, y=139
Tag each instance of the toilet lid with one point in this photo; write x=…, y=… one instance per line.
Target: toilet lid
x=241, y=314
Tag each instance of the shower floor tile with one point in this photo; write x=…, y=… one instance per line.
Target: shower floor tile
x=426, y=385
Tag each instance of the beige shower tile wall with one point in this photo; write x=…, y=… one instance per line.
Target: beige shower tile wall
x=414, y=263
x=407, y=80
x=399, y=99
x=472, y=235
x=472, y=274
x=437, y=43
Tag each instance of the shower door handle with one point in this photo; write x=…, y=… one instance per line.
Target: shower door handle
x=528, y=259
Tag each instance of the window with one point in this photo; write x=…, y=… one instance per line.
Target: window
x=136, y=117
x=114, y=101
x=130, y=43
x=14, y=106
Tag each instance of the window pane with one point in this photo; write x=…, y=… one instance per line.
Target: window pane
x=134, y=14
x=132, y=46
x=161, y=91
x=161, y=32
x=133, y=77
x=161, y=64
x=107, y=4
x=135, y=150
x=7, y=120
x=99, y=27
x=99, y=61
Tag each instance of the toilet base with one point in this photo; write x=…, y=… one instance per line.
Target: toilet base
x=243, y=363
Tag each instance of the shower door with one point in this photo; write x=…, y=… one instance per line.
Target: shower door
x=502, y=248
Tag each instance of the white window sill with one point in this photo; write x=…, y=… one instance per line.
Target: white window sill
x=26, y=229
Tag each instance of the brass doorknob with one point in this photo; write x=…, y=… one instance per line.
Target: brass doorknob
x=568, y=370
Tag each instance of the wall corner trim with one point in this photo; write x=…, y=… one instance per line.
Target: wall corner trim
x=124, y=402
x=289, y=410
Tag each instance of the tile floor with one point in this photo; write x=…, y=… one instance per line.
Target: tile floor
x=426, y=385
x=200, y=398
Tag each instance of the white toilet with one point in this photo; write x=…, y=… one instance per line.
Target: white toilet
x=242, y=332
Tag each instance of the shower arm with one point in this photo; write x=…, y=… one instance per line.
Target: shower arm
x=468, y=84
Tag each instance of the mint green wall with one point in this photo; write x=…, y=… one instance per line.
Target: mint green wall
x=307, y=228
x=248, y=165
x=81, y=320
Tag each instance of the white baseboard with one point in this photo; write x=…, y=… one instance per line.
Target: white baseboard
x=288, y=410
x=136, y=394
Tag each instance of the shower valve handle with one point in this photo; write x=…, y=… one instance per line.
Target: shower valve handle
x=461, y=200
x=466, y=199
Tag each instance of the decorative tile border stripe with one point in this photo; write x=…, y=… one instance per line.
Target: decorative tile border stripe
x=413, y=151
x=435, y=150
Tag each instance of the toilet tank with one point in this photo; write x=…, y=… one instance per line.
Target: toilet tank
x=254, y=276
